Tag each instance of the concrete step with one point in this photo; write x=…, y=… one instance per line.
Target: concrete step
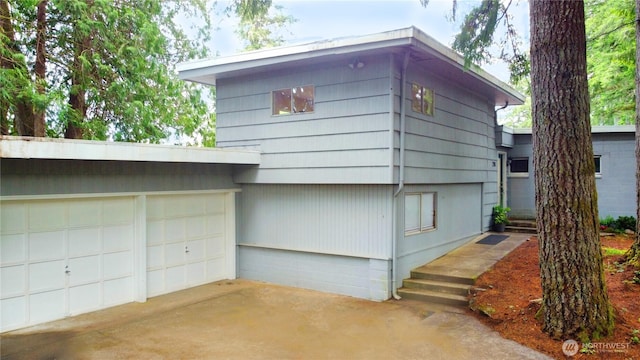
x=521, y=229
x=522, y=223
x=426, y=274
x=437, y=286
x=433, y=297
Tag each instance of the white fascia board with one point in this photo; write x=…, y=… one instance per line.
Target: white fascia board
x=206, y=71
x=210, y=67
x=48, y=148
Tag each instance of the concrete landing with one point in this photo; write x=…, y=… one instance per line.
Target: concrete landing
x=471, y=260
x=450, y=275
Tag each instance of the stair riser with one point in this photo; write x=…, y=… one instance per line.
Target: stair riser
x=433, y=299
x=441, y=277
x=442, y=289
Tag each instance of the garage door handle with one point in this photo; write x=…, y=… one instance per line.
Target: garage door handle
x=67, y=271
x=186, y=249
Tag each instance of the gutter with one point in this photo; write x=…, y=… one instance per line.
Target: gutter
x=403, y=126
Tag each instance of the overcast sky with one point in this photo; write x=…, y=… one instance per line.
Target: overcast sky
x=322, y=19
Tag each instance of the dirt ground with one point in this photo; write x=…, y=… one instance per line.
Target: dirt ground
x=502, y=299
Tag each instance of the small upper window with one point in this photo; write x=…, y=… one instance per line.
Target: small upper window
x=294, y=100
x=422, y=99
x=519, y=167
x=596, y=161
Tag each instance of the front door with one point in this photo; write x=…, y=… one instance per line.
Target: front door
x=502, y=178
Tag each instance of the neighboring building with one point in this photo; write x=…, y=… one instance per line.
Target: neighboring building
x=378, y=155
x=614, y=157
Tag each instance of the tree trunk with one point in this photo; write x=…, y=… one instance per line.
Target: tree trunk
x=575, y=301
x=633, y=256
x=77, y=93
x=40, y=66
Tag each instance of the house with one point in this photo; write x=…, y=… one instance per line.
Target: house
x=615, y=166
x=340, y=166
x=378, y=155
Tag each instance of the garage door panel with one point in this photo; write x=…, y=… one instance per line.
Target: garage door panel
x=47, y=215
x=13, y=312
x=47, y=275
x=86, y=241
x=47, y=306
x=117, y=211
x=155, y=207
x=193, y=239
x=196, y=273
x=13, y=280
x=196, y=227
x=117, y=291
x=84, y=298
x=117, y=264
x=12, y=249
x=46, y=245
x=216, y=268
x=84, y=270
x=215, y=204
x=13, y=218
x=155, y=232
x=174, y=254
x=174, y=230
x=175, y=278
x=197, y=250
x=118, y=237
x=215, y=224
x=85, y=213
x=216, y=246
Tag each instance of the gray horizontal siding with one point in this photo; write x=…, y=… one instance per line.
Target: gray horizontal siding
x=458, y=219
x=49, y=177
x=350, y=220
x=348, y=129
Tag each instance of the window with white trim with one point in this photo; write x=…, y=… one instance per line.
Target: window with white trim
x=419, y=212
x=597, y=163
x=293, y=100
x=422, y=99
x=519, y=167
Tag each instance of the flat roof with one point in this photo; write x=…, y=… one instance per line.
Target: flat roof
x=19, y=147
x=207, y=71
x=598, y=129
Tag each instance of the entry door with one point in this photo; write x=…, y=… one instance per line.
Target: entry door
x=186, y=241
x=64, y=257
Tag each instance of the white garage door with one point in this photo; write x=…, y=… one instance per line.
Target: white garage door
x=189, y=241
x=64, y=257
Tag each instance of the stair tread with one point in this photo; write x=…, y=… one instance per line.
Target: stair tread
x=438, y=275
x=439, y=283
x=433, y=294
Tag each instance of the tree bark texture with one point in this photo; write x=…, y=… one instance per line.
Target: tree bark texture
x=575, y=301
x=634, y=252
x=77, y=93
x=40, y=67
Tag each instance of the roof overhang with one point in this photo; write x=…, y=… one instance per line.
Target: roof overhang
x=421, y=46
x=13, y=147
x=598, y=129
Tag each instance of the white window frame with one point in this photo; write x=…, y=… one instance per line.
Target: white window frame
x=292, y=110
x=417, y=219
x=598, y=173
x=518, y=174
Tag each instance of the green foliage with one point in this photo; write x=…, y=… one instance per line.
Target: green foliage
x=500, y=214
x=611, y=60
x=618, y=225
x=635, y=336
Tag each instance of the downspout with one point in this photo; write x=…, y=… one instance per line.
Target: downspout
x=394, y=246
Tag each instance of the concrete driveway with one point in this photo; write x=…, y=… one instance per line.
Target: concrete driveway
x=250, y=320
